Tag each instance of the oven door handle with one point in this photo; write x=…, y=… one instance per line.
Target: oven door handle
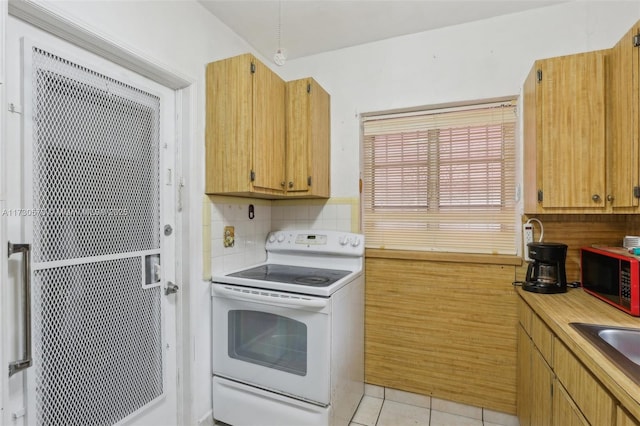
x=267, y=296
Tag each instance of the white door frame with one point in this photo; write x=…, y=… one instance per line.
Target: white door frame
x=4, y=379
x=54, y=22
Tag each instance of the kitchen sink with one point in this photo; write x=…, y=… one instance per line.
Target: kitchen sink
x=620, y=344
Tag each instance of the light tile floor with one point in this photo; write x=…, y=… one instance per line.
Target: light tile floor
x=390, y=407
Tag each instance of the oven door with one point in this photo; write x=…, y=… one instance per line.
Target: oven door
x=272, y=340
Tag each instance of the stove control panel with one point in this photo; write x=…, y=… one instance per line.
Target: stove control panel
x=337, y=242
x=313, y=239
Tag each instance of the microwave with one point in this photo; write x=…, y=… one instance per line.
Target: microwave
x=612, y=275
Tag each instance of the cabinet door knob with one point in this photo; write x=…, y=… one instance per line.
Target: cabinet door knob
x=610, y=198
x=290, y=184
x=283, y=183
x=595, y=198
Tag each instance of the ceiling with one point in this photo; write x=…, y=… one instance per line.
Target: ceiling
x=307, y=27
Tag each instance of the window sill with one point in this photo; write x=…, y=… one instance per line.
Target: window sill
x=492, y=259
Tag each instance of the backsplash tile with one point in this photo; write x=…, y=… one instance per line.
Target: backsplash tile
x=250, y=234
x=333, y=215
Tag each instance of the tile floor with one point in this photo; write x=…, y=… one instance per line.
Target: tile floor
x=390, y=407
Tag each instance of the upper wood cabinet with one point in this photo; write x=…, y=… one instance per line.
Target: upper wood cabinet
x=623, y=109
x=564, y=135
x=265, y=138
x=245, y=128
x=308, y=139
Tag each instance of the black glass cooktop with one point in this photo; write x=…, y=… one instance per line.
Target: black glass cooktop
x=315, y=277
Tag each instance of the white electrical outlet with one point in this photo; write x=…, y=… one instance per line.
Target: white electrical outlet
x=527, y=237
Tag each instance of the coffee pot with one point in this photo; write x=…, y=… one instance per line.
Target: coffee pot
x=546, y=272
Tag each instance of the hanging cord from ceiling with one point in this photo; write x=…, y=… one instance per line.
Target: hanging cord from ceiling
x=280, y=56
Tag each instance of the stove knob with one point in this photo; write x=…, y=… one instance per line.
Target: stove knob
x=355, y=242
x=344, y=240
x=280, y=238
x=272, y=238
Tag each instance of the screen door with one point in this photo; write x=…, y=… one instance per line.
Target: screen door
x=96, y=196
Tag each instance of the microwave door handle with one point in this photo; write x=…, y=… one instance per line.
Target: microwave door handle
x=266, y=296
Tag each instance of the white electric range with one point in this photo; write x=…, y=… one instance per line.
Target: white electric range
x=288, y=334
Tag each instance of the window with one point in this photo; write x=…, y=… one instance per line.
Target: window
x=441, y=179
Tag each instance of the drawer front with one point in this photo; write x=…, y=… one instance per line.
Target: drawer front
x=524, y=315
x=543, y=338
x=596, y=404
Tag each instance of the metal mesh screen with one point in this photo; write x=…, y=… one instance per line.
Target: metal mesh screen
x=98, y=352
x=96, y=173
x=97, y=334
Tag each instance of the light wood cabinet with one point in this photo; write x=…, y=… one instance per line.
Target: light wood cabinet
x=535, y=377
x=554, y=388
x=596, y=387
x=564, y=134
x=623, y=127
x=594, y=401
x=582, y=131
x=308, y=139
x=541, y=390
x=542, y=337
x=523, y=377
x=625, y=419
x=565, y=411
x=265, y=138
x=245, y=128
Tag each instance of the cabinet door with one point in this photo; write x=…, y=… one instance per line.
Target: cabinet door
x=565, y=412
x=571, y=140
x=622, y=121
x=541, y=390
x=229, y=124
x=592, y=398
x=320, y=140
x=268, y=129
x=298, y=133
x=624, y=419
x=524, y=377
x=308, y=139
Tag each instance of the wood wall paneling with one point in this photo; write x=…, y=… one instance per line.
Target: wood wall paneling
x=583, y=230
x=442, y=329
x=449, y=329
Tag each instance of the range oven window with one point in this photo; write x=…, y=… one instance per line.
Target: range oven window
x=269, y=340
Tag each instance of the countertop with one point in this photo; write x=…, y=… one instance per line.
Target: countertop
x=558, y=310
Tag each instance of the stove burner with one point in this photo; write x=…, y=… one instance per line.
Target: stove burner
x=311, y=280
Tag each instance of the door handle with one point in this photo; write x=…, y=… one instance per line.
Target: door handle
x=171, y=288
x=26, y=360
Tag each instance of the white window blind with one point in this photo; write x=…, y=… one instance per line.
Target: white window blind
x=441, y=180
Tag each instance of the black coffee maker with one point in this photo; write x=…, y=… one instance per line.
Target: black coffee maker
x=546, y=272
